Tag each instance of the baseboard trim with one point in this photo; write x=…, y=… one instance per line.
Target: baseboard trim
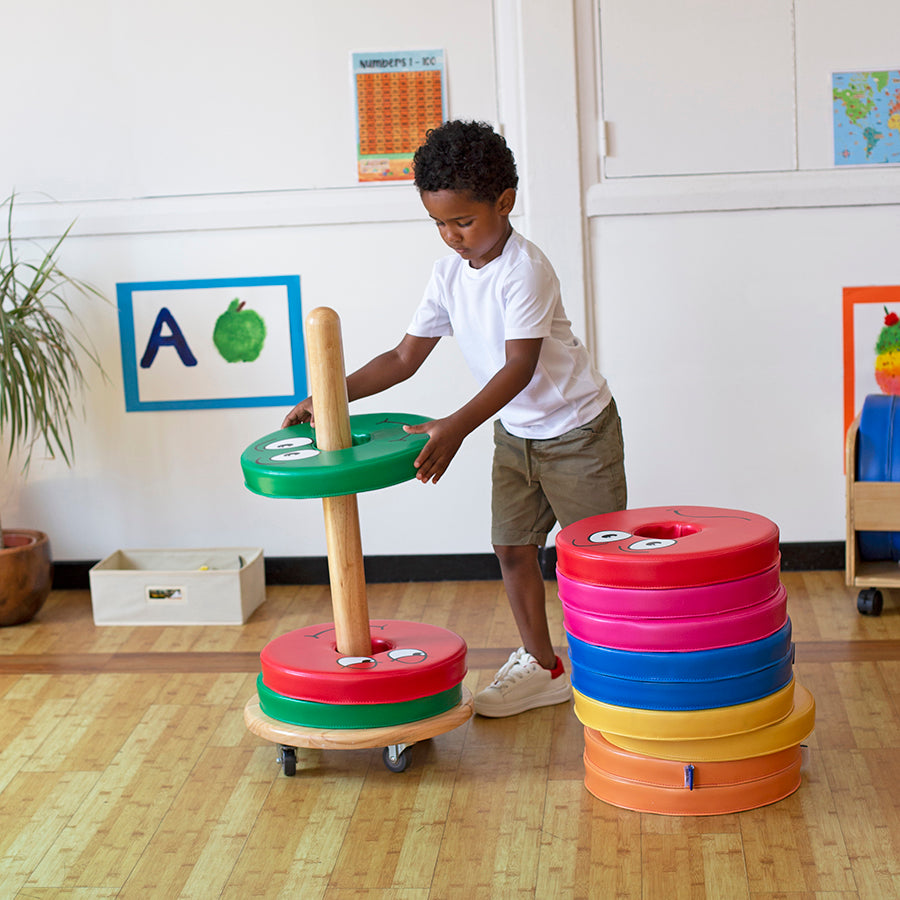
x=813, y=556
x=795, y=557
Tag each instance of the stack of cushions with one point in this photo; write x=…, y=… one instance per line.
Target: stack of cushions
x=413, y=672
x=682, y=660
x=878, y=459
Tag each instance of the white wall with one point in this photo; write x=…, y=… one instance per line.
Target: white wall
x=206, y=139
x=721, y=336
x=223, y=147
x=172, y=478
x=722, y=237
x=195, y=97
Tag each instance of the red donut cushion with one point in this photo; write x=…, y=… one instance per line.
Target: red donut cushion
x=667, y=547
x=409, y=660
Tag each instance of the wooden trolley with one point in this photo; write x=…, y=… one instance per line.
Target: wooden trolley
x=871, y=506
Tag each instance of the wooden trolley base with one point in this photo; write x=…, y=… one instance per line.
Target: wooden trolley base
x=395, y=739
x=871, y=506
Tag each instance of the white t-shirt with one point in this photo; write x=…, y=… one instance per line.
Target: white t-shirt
x=515, y=296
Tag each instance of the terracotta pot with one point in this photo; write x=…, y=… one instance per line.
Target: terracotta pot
x=26, y=575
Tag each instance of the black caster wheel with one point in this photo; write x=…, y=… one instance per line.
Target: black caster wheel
x=870, y=602
x=397, y=758
x=288, y=759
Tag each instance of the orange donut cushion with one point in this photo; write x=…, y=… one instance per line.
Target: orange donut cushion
x=671, y=788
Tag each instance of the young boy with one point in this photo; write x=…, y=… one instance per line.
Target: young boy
x=558, y=453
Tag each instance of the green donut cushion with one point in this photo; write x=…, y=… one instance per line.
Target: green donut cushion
x=310, y=714
x=287, y=463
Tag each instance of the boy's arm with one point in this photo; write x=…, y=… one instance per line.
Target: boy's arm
x=447, y=434
x=390, y=368
x=380, y=373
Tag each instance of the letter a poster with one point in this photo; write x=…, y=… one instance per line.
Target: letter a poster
x=399, y=96
x=211, y=343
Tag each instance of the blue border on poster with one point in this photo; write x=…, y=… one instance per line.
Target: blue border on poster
x=133, y=402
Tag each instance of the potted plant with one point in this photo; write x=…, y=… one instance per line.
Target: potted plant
x=42, y=348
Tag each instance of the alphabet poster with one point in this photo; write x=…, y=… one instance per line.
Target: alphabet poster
x=399, y=96
x=211, y=343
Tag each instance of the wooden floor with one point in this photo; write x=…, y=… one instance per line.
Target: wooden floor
x=126, y=770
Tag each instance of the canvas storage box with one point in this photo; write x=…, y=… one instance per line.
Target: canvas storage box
x=220, y=586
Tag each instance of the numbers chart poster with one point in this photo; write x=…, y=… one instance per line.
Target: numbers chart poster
x=399, y=96
x=866, y=117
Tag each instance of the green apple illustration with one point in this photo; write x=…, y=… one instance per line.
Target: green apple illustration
x=240, y=333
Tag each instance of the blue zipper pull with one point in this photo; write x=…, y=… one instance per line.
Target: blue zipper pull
x=689, y=777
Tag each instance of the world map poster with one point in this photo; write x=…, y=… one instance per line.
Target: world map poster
x=866, y=117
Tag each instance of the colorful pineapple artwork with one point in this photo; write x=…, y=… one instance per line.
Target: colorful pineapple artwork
x=887, y=360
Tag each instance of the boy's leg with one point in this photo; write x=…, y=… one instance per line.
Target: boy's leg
x=523, y=683
x=533, y=676
x=521, y=518
x=524, y=586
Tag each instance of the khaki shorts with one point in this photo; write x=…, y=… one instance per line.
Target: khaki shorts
x=568, y=478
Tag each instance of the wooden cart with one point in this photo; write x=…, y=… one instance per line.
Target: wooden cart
x=395, y=740
x=352, y=628
x=871, y=506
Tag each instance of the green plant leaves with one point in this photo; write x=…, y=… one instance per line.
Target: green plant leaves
x=41, y=342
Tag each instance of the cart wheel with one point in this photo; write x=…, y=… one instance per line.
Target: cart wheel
x=397, y=757
x=870, y=602
x=288, y=759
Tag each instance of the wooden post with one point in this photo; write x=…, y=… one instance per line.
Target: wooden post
x=328, y=388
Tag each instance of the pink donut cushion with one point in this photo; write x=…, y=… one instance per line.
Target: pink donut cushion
x=687, y=633
x=644, y=603
x=667, y=547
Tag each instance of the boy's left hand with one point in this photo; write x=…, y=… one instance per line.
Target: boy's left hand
x=444, y=439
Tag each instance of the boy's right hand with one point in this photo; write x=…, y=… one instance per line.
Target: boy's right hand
x=444, y=439
x=302, y=412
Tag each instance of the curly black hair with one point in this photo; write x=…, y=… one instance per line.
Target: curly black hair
x=465, y=156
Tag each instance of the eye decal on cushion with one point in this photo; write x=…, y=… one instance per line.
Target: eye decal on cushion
x=357, y=662
x=408, y=656
x=289, y=443
x=612, y=536
x=295, y=454
x=651, y=544
x=293, y=446
x=607, y=537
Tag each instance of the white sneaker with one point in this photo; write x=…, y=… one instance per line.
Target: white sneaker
x=523, y=683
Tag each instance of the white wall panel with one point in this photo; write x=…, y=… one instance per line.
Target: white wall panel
x=702, y=86
x=832, y=37
x=119, y=100
x=721, y=336
x=172, y=478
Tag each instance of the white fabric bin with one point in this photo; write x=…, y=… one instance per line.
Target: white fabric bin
x=217, y=586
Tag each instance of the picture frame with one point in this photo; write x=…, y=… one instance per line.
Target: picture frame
x=211, y=343
x=863, y=321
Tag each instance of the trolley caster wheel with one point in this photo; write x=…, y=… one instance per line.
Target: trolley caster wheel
x=870, y=602
x=397, y=757
x=288, y=760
